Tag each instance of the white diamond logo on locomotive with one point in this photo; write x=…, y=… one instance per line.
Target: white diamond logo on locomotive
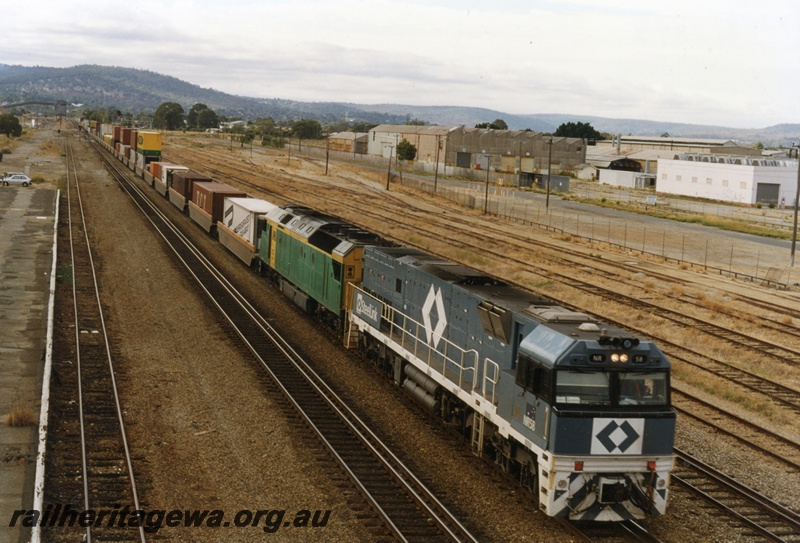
x=617, y=436
x=434, y=334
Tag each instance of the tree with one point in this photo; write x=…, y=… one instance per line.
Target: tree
x=207, y=118
x=578, y=130
x=191, y=117
x=168, y=116
x=406, y=151
x=9, y=125
x=201, y=117
x=497, y=124
x=307, y=129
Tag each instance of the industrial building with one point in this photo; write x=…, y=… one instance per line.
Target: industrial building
x=743, y=180
x=524, y=153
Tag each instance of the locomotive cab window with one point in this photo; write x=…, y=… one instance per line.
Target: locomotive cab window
x=583, y=387
x=639, y=388
x=611, y=388
x=534, y=377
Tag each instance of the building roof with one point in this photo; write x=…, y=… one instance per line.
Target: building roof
x=414, y=129
x=347, y=135
x=603, y=157
x=673, y=140
x=738, y=160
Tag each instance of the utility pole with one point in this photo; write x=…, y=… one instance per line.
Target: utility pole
x=328, y=153
x=486, y=195
x=389, y=168
x=796, y=205
x=436, y=169
x=549, y=167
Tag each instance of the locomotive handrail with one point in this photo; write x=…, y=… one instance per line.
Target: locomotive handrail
x=416, y=338
x=490, y=364
x=410, y=335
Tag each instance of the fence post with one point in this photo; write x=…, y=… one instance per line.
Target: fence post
x=730, y=263
x=625, y=237
x=683, y=247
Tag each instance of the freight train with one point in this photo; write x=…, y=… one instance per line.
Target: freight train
x=577, y=410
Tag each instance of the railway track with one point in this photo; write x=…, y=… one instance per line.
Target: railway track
x=755, y=436
x=598, y=267
x=613, y=533
x=758, y=517
x=405, y=508
x=89, y=462
x=783, y=394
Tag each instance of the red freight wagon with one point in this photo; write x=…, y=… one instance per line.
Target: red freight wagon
x=208, y=200
x=127, y=136
x=182, y=186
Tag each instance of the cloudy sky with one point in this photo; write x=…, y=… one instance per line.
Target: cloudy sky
x=725, y=62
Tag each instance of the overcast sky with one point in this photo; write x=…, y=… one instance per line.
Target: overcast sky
x=724, y=62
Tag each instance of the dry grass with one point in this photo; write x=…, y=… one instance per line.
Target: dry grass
x=20, y=416
x=676, y=291
x=717, y=388
x=51, y=147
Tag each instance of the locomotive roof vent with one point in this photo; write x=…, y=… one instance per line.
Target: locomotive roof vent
x=557, y=314
x=589, y=327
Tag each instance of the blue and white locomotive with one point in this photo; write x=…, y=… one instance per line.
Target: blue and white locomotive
x=577, y=410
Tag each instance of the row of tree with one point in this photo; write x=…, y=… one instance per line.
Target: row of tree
x=170, y=116
x=565, y=130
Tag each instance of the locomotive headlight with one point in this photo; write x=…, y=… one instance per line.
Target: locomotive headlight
x=562, y=484
x=615, y=357
x=623, y=357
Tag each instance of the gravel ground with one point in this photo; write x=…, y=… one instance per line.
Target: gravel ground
x=208, y=433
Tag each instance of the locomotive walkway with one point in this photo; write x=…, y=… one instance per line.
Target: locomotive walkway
x=26, y=241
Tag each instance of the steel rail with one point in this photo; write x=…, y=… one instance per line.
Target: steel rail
x=81, y=406
x=433, y=507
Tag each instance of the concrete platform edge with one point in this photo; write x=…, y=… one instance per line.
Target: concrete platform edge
x=38, y=491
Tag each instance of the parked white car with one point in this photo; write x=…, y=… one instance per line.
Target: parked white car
x=16, y=179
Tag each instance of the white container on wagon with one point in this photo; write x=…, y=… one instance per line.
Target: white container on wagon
x=167, y=170
x=239, y=228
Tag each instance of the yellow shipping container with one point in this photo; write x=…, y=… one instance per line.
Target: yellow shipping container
x=108, y=138
x=148, y=141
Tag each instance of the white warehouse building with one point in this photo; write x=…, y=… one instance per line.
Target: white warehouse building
x=739, y=179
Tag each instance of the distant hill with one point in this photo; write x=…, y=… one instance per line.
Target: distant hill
x=134, y=91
